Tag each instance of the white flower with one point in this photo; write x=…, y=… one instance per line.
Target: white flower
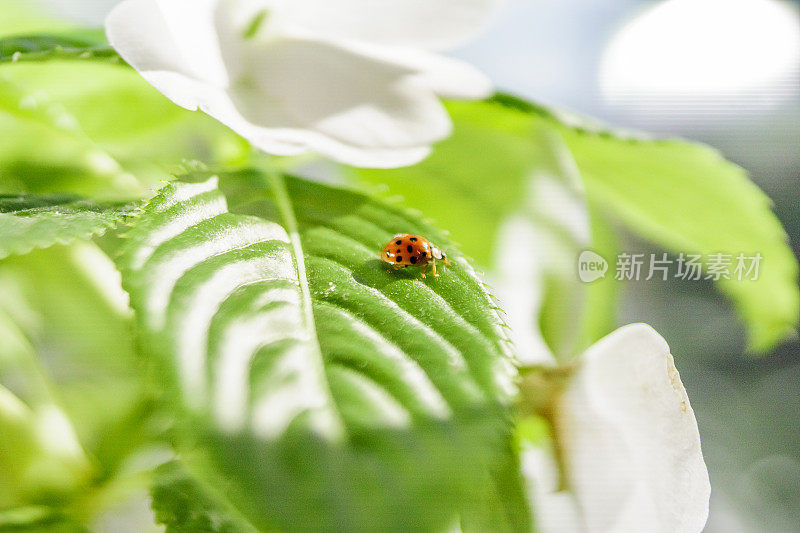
x=355, y=80
x=628, y=442
x=625, y=449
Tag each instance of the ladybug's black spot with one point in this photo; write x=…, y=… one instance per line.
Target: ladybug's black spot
x=398, y=242
x=398, y=259
x=410, y=248
x=413, y=260
x=413, y=239
x=399, y=251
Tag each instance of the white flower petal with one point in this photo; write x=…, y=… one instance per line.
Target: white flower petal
x=191, y=94
x=288, y=88
x=452, y=78
x=368, y=157
x=446, y=76
x=296, y=83
x=630, y=439
x=171, y=35
x=556, y=510
x=431, y=24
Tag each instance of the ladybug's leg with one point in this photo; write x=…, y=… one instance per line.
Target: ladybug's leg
x=423, y=269
x=433, y=262
x=446, y=262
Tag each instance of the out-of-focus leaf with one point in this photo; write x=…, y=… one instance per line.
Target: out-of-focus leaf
x=67, y=351
x=113, y=137
x=328, y=390
x=38, y=519
x=44, y=149
x=185, y=505
x=39, y=221
x=41, y=460
x=74, y=346
x=83, y=45
x=688, y=198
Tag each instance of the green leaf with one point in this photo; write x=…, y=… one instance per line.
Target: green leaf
x=67, y=340
x=41, y=461
x=36, y=519
x=327, y=390
x=45, y=149
x=67, y=352
x=185, y=505
x=40, y=221
x=113, y=138
x=688, y=198
x=84, y=45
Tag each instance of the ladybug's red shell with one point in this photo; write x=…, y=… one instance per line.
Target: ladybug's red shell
x=412, y=250
x=406, y=249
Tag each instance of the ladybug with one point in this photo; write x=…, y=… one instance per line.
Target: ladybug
x=406, y=250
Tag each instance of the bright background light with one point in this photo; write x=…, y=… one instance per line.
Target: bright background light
x=704, y=48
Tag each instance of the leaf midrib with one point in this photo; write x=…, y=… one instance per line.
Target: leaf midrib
x=277, y=183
